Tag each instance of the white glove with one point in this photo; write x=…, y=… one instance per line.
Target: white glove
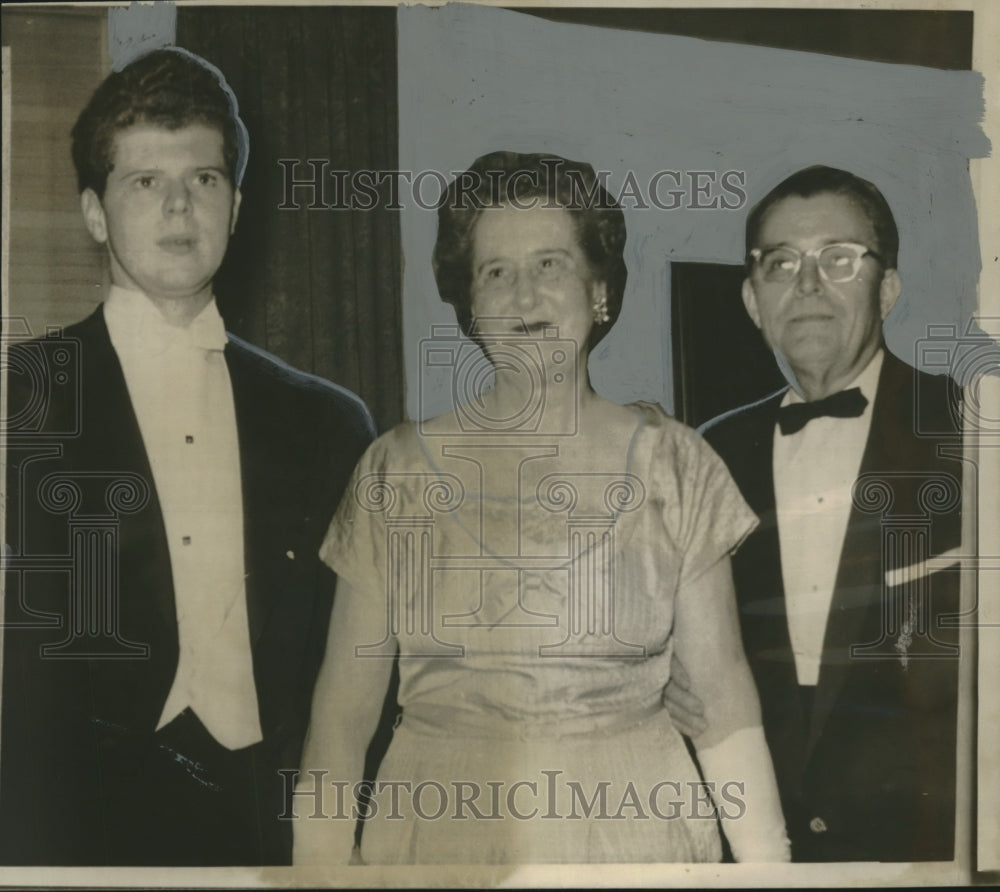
x=759, y=833
x=320, y=839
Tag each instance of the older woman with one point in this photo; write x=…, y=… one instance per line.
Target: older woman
x=536, y=556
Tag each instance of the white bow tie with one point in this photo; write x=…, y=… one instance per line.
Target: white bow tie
x=207, y=331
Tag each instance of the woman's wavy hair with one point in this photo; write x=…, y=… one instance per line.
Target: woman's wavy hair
x=533, y=180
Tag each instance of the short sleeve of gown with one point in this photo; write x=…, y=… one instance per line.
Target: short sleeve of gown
x=354, y=547
x=705, y=514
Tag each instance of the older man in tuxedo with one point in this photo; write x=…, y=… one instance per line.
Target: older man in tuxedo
x=168, y=489
x=853, y=471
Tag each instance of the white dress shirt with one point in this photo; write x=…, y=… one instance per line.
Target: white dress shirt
x=180, y=390
x=814, y=474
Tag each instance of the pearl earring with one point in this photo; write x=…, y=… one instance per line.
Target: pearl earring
x=600, y=308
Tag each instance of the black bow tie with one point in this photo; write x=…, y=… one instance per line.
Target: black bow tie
x=845, y=404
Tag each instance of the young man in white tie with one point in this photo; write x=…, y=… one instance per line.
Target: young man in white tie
x=155, y=685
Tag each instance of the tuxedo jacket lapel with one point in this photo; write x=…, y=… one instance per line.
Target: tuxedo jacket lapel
x=858, y=589
x=299, y=441
x=271, y=434
x=251, y=424
x=758, y=561
x=111, y=442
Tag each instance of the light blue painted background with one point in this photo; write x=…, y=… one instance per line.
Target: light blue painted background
x=477, y=79
x=139, y=28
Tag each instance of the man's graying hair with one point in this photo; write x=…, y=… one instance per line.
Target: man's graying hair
x=820, y=180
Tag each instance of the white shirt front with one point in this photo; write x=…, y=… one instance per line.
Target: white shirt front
x=814, y=473
x=180, y=389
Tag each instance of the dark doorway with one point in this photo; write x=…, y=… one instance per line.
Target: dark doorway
x=720, y=360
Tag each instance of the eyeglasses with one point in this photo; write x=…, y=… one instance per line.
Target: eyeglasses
x=839, y=262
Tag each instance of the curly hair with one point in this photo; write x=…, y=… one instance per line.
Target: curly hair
x=511, y=178
x=820, y=180
x=171, y=88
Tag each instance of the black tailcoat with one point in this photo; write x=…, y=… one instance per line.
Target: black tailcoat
x=91, y=640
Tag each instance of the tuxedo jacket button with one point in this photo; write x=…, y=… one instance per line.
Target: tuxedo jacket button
x=817, y=825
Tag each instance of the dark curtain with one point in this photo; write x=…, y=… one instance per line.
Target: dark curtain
x=319, y=288
x=935, y=38
x=720, y=360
